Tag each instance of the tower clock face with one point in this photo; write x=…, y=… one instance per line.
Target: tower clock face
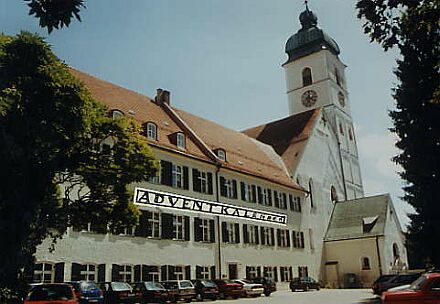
x=309, y=98
x=341, y=99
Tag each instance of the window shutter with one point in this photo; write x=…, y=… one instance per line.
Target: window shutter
x=277, y=201
x=284, y=201
x=259, y=195
x=186, y=228
x=171, y=272
x=196, y=181
x=137, y=273
x=212, y=272
x=166, y=172
x=245, y=235
x=275, y=273
x=163, y=273
x=115, y=273
x=76, y=272
x=198, y=272
x=141, y=228
x=257, y=235
x=148, y=226
x=222, y=186
x=167, y=226
x=211, y=231
x=248, y=274
x=237, y=233
x=225, y=236
x=292, y=207
x=272, y=236
x=188, y=272
x=59, y=273
x=101, y=273
x=254, y=194
x=210, y=190
x=294, y=240
x=282, y=274
x=185, y=178
x=299, y=203
x=279, y=237
x=302, y=239
x=234, y=188
x=290, y=273
x=288, y=238
x=270, y=196
x=243, y=196
x=263, y=236
x=197, y=229
x=258, y=271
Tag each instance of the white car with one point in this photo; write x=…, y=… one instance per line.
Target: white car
x=251, y=289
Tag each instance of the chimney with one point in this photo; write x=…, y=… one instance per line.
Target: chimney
x=162, y=96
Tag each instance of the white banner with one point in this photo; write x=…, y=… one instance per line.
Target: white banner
x=146, y=197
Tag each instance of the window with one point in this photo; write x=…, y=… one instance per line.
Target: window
x=311, y=240
x=179, y=227
x=177, y=176
x=204, y=230
x=312, y=203
x=333, y=194
x=365, y=263
x=153, y=220
x=116, y=114
x=338, y=77
x=307, y=77
x=264, y=196
x=88, y=272
x=295, y=203
x=341, y=129
x=228, y=187
x=286, y=273
x=350, y=134
x=43, y=273
x=202, y=272
x=280, y=200
x=267, y=236
x=250, y=234
x=270, y=272
x=202, y=181
x=221, y=154
x=180, y=140
x=126, y=273
x=298, y=239
x=283, y=237
x=151, y=130
x=303, y=271
x=153, y=273
x=174, y=175
x=252, y=272
x=396, y=253
x=248, y=192
x=230, y=232
x=178, y=272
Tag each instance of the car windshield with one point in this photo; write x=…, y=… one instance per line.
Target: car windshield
x=209, y=284
x=229, y=282
x=186, y=284
x=87, y=286
x=246, y=281
x=153, y=286
x=417, y=284
x=120, y=286
x=51, y=293
x=384, y=278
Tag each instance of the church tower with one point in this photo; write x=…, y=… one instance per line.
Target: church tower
x=315, y=78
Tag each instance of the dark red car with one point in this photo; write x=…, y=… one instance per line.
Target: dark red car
x=425, y=290
x=51, y=293
x=228, y=288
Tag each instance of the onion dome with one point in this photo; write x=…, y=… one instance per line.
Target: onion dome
x=309, y=38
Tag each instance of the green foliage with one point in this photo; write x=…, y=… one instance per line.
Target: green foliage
x=413, y=26
x=63, y=160
x=55, y=13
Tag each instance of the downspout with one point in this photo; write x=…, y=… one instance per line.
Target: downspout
x=217, y=220
x=378, y=255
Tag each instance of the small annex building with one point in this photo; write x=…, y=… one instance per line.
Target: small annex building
x=363, y=241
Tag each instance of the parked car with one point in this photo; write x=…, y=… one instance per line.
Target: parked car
x=51, y=293
x=251, y=289
x=424, y=290
x=205, y=289
x=87, y=292
x=152, y=292
x=385, y=282
x=180, y=290
x=119, y=292
x=228, y=288
x=304, y=283
x=268, y=284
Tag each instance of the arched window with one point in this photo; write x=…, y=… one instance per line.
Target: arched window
x=338, y=77
x=350, y=134
x=307, y=77
x=117, y=114
x=341, y=129
x=333, y=195
x=151, y=130
x=312, y=203
x=365, y=263
x=396, y=252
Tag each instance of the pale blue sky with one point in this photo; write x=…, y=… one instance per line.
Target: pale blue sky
x=221, y=59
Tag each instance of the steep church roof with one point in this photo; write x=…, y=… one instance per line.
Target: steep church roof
x=358, y=218
x=287, y=136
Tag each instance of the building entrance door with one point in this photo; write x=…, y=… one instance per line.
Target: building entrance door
x=332, y=274
x=233, y=273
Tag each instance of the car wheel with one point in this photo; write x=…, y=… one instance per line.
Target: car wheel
x=306, y=288
x=222, y=295
x=199, y=297
x=318, y=288
x=267, y=293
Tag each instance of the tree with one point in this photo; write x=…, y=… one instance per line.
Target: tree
x=55, y=13
x=64, y=161
x=413, y=27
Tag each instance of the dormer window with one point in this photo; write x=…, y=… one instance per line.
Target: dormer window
x=307, y=77
x=221, y=154
x=116, y=114
x=151, y=130
x=180, y=140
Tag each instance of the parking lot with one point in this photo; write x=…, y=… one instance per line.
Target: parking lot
x=324, y=296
